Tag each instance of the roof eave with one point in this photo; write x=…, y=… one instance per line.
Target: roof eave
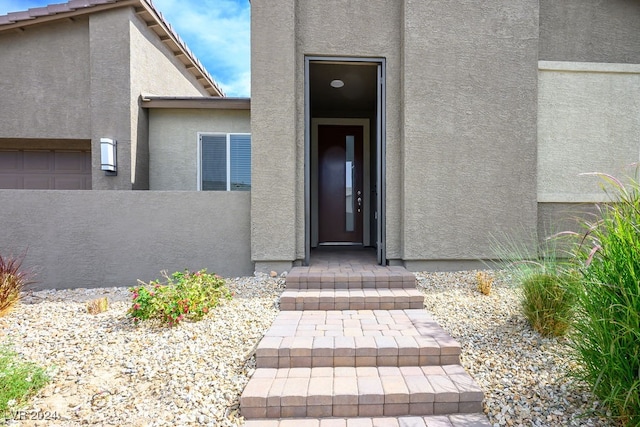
x=175, y=44
x=195, y=102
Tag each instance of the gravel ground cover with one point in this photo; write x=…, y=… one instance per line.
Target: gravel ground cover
x=108, y=371
x=522, y=374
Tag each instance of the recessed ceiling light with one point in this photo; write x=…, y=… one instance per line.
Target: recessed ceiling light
x=337, y=83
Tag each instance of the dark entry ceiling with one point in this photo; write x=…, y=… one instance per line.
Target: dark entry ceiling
x=358, y=93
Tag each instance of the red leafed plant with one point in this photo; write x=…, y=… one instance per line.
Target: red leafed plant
x=13, y=279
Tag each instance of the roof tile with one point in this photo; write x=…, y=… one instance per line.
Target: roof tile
x=58, y=8
x=79, y=4
x=39, y=11
x=19, y=16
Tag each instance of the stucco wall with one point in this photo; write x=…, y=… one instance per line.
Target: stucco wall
x=460, y=118
x=113, y=238
x=275, y=160
x=588, y=121
x=154, y=70
x=173, y=142
x=590, y=30
x=555, y=218
x=44, y=81
x=110, y=94
x=469, y=97
x=283, y=32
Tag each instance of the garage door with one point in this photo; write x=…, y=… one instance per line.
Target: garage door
x=45, y=169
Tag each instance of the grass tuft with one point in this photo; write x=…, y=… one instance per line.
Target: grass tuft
x=98, y=305
x=545, y=280
x=19, y=380
x=485, y=280
x=547, y=302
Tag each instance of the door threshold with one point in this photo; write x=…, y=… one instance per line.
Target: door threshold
x=339, y=244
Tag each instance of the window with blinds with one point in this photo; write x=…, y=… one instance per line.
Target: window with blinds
x=240, y=162
x=225, y=162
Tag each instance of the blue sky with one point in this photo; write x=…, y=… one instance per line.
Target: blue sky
x=216, y=31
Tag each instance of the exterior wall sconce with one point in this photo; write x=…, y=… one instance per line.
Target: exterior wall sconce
x=108, y=156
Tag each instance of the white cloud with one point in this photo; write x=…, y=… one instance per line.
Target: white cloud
x=218, y=33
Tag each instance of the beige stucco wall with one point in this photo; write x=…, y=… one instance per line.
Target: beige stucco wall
x=82, y=79
x=275, y=160
x=127, y=60
x=460, y=118
x=469, y=149
x=154, y=70
x=288, y=31
x=173, y=142
x=588, y=121
x=110, y=77
x=113, y=238
x=44, y=81
x=590, y=31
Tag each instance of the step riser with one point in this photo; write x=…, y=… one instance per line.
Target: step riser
x=379, y=410
x=354, y=299
x=346, y=361
x=456, y=420
x=358, y=284
x=364, y=392
x=291, y=304
x=369, y=277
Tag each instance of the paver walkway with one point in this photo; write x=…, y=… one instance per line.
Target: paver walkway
x=353, y=347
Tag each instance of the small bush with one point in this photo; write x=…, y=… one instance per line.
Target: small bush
x=607, y=327
x=547, y=302
x=183, y=296
x=98, y=305
x=484, y=282
x=13, y=280
x=19, y=380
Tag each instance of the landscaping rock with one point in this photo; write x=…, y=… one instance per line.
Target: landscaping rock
x=114, y=372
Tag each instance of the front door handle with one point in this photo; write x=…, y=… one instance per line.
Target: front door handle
x=359, y=200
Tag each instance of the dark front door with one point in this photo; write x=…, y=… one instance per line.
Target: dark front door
x=340, y=184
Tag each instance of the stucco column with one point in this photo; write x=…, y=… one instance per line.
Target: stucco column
x=110, y=94
x=273, y=129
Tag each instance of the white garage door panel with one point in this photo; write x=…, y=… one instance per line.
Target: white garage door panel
x=45, y=170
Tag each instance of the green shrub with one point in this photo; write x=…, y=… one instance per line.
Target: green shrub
x=607, y=329
x=19, y=380
x=183, y=296
x=547, y=302
x=12, y=281
x=546, y=282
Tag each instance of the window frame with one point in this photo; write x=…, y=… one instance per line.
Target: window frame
x=227, y=136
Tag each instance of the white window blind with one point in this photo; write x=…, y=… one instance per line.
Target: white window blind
x=225, y=162
x=240, y=162
x=214, y=163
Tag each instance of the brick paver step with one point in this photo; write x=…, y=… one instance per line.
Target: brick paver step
x=351, y=299
x=350, y=277
x=356, y=338
x=457, y=420
x=360, y=392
